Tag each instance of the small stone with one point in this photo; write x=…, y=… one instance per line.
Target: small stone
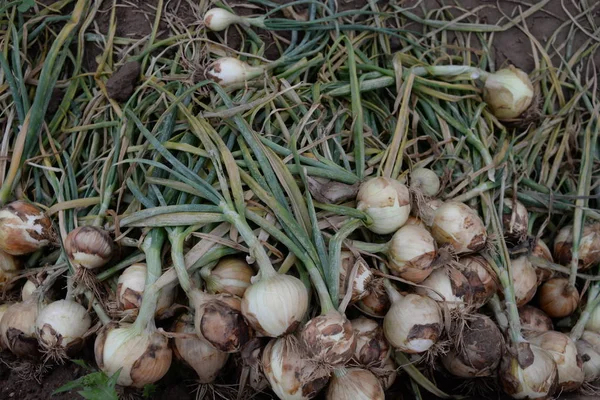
x=121, y=84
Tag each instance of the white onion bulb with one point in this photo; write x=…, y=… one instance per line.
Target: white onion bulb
x=89, y=247
x=481, y=277
x=231, y=275
x=508, y=92
x=411, y=253
x=537, y=380
x=17, y=329
x=130, y=290
x=363, y=277
x=9, y=270
x=354, y=384
x=329, y=339
x=524, y=280
x=386, y=201
x=425, y=180
x=62, y=324
x=218, y=19
x=458, y=225
x=589, y=246
x=450, y=283
x=590, y=357
x=371, y=346
x=229, y=70
x=515, y=220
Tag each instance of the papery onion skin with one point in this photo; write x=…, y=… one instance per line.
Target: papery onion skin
x=355, y=384
x=197, y=353
x=17, y=329
x=411, y=253
x=524, y=280
x=218, y=19
x=376, y=302
x=591, y=360
x=458, y=225
x=534, y=320
x=329, y=338
x=62, y=323
x=362, y=279
x=541, y=250
x=275, y=305
x=143, y=358
x=425, y=180
x=515, y=221
x=9, y=270
x=371, y=346
x=481, y=277
x=3, y=308
x=231, y=275
x=558, y=298
x=386, y=201
x=593, y=323
x=229, y=70
x=589, y=246
x=89, y=247
x=130, y=290
x=387, y=372
x=508, y=92
x=451, y=284
x=24, y=228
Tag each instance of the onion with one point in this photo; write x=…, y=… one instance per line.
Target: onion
x=3, y=308
x=589, y=246
x=376, y=302
x=363, y=277
x=413, y=324
x=541, y=250
x=89, y=247
x=329, y=339
x=9, y=270
x=24, y=228
x=534, y=320
x=411, y=253
x=130, y=290
x=371, y=347
x=458, y=225
x=143, y=357
x=197, y=353
x=219, y=320
x=229, y=70
x=524, y=280
x=450, y=283
x=387, y=373
x=290, y=374
x=219, y=19
x=479, y=350
x=231, y=275
x=17, y=329
x=61, y=325
x=27, y=291
x=354, y=384
x=481, y=277
x=536, y=380
x=593, y=323
x=564, y=352
x=425, y=180
x=590, y=357
x=508, y=93
x=275, y=305
x=515, y=221
x=415, y=221
x=386, y=201
x=558, y=298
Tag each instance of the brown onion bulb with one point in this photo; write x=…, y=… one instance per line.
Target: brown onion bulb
x=219, y=321
x=481, y=277
x=24, y=228
x=534, y=320
x=411, y=253
x=17, y=329
x=197, y=353
x=9, y=270
x=89, y=247
x=371, y=347
x=451, y=284
x=515, y=221
x=480, y=349
x=591, y=360
x=558, y=298
x=589, y=246
x=541, y=250
x=130, y=290
x=536, y=380
x=231, y=275
x=458, y=225
x=143, y=358
x=376, y=302
x=564, y=352
x=362, y=278
x=329, y=338
x=290, y=374
x=524, y=280
x=355, y=384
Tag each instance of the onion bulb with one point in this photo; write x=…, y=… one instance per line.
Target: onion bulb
x=479, y=349
x=354, y=384
x=564, y=352
x=89, y=247
x=24, y=228
x=541, y=250
x=371, y=346
x=363, y=277
x=593, y=323
x=130, y=290
x=481, y=277
x=229, y=70
x=3, y=308
x=411, y=253
x=197, y=353
x=535, y=380
x=425, y=180
x=17, y=329
x=386, y=373
x=524, y=280
x=9, y=267
x=290, y=374
x=515, y=220
x=413, y=324
x=415, y=221
x=589, y=246
x=558, y=298
x=534, y=320
x=231, y=275
x=590, y=357
x=458, y=225
x=386, y=201
x=329, y=339
x=62, y=325
x=508, y=92
x=218, y=19
x=143, y=357
x=451, y=284
x=376, y=302
x=27, y=291
x=275, y=305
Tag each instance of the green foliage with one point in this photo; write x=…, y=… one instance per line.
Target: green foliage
x=25, y=5
x=95, y=385
x=149, y=391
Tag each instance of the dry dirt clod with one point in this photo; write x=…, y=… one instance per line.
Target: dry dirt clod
x=121, y=84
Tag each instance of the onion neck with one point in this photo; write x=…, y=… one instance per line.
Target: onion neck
x=592, y=303
x=391, y=291
x=152, y=247
x=340, y=372
x=177, y=237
